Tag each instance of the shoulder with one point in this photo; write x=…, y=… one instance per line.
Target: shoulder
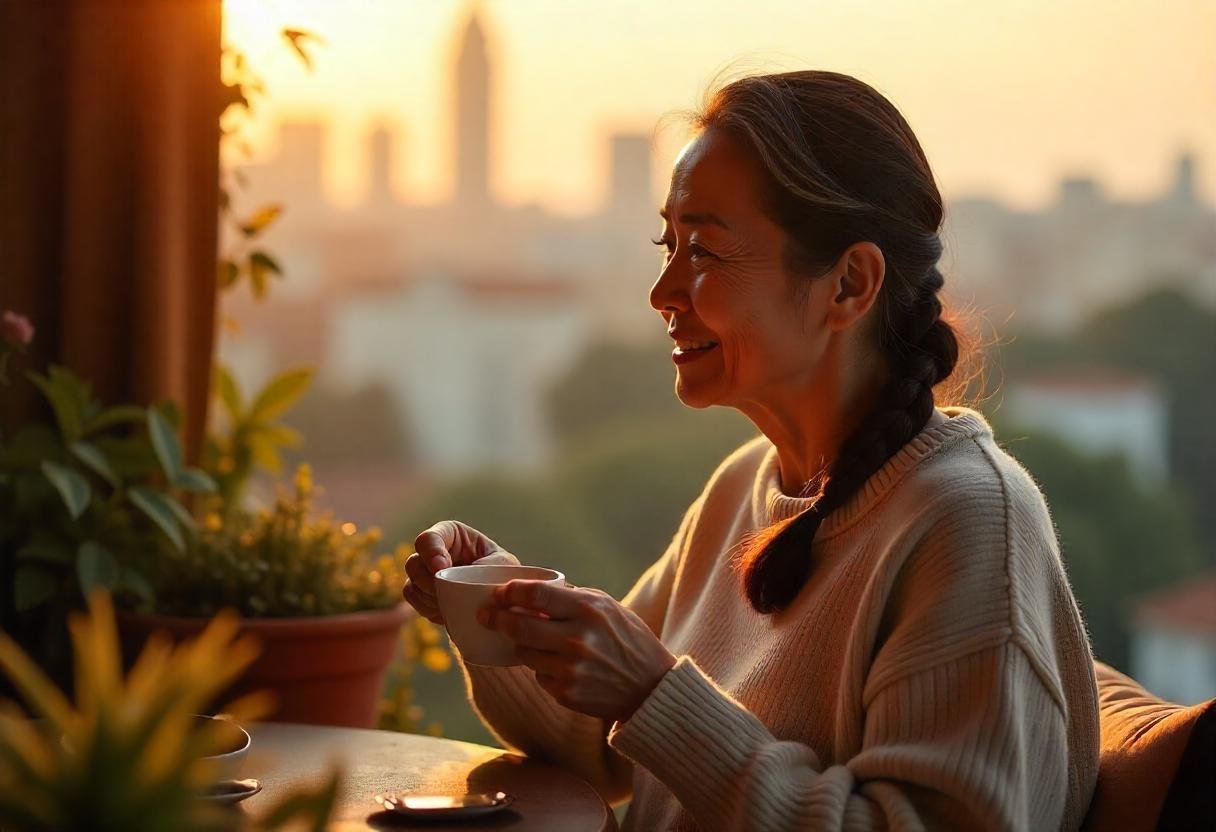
x=737, y=472
x=985, y=525
x=972, y=484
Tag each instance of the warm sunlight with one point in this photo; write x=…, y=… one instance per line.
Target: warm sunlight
x=1004, y=101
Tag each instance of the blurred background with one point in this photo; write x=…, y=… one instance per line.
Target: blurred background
x=452, y=202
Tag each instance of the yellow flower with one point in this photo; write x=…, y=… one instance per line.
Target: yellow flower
x=304, y=484
x=436, y=660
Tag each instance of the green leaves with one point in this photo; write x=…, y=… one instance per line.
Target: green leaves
x=260, y=219
x=298, y=39
x=261, y=267
x=95, y=567
x=162, y=510
x=169, y=454
x=226, y=388
x=69, y=398
x=280, y=394
x=92, y=456
x=72, y=487
x=33, y=586
x=113, y=416
x=164, y=441
x=194, y=479
x=228, y=274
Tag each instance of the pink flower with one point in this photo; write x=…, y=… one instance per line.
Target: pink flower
x=16, y=328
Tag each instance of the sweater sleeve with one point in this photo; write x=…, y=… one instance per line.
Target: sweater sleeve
x=976, y=742
x=523, y=716
x=964, y=720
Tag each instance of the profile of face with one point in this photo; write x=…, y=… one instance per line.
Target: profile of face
x=746, y=330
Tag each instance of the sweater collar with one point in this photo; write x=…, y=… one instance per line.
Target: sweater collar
x=771, y=505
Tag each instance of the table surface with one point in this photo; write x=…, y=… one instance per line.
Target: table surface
x=378, y=762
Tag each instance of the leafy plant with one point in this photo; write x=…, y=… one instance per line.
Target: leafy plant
x=250, y=435
x=421, y=645
x=244, y=259
x=83, y=495
x=128, y=754
x=287, y=560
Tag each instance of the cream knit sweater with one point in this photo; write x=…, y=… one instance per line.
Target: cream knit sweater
x=934, y=673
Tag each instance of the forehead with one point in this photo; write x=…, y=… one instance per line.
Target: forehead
x=714, y=173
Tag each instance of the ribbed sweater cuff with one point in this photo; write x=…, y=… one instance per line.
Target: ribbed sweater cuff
x=521, y=713
x=693, y=737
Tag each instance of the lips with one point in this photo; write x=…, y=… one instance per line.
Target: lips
x=692, y=349
x=690, y=344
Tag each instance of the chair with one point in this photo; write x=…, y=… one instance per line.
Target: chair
x=1158, y=761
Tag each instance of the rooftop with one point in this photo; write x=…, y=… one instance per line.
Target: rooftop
x=1189, y=607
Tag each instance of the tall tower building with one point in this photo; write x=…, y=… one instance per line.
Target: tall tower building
x=1184, y=179
x=472, y=93
x=380, y=165
x=629, y=175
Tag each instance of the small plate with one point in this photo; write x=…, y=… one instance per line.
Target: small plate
x=232, y=791
x=445, y=806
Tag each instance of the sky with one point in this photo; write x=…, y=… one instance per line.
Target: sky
x=1005, y=97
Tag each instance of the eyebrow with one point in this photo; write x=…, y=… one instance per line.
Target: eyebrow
x=696, y=219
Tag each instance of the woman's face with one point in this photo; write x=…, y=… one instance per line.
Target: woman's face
x=742, y=332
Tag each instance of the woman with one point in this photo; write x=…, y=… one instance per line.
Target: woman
x=863, y=621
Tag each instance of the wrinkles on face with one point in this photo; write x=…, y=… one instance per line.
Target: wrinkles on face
x=725, y=278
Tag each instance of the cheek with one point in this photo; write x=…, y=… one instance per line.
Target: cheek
x=756, y=327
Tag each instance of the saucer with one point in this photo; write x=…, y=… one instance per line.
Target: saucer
x=230, y=792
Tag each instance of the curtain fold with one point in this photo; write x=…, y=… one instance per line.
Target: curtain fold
x=109, y=163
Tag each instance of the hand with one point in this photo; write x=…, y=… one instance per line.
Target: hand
x=589, y=652
x=449, y=543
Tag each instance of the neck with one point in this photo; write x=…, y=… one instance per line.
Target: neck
x=810, y=419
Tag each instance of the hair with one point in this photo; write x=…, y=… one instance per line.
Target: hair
x=841, y=165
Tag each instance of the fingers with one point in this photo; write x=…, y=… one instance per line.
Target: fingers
x=543, y=662
x=426, y=605
x=419, y=574
x=527, y=629
x=452, y=543
x=556, y=601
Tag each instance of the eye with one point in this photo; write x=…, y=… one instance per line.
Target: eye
x=697, y=251
x=665, y=244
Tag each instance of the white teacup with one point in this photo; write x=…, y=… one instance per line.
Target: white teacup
x=463, y=590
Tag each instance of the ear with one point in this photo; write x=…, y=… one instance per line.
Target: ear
x=856, y=281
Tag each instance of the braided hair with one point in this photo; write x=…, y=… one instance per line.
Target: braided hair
x=841, y=165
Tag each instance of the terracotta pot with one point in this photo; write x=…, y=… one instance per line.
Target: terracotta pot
x=323, y=670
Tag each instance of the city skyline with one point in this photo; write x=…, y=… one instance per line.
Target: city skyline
x=1099, y=117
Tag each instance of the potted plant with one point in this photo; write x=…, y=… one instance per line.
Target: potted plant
x=129, y=754
x=97, y=499
x=322, y=601
x=84, y=499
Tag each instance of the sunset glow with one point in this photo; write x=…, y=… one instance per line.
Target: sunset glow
x=1006, y=99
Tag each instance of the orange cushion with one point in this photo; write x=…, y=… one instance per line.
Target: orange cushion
x=1143, y=740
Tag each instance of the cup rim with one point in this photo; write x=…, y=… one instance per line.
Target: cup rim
x=554, y=575
x=246, y=739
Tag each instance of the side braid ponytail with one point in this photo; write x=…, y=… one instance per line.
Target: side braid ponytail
x=841, y=165
x=923, y=351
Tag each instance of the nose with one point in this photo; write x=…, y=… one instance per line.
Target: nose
x=669, y=294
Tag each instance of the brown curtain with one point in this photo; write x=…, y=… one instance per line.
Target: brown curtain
x=109, y=155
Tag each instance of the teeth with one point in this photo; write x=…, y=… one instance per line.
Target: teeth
x=684, y=346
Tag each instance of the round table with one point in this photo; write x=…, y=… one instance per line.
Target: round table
x=376, y=762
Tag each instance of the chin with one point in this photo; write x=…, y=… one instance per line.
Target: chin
x=697, y=396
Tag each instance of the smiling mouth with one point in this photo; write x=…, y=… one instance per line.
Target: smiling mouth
x=686, y=349
x=689, y=345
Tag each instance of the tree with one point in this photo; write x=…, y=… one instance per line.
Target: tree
x=1118, y=542
x=1170, y=338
